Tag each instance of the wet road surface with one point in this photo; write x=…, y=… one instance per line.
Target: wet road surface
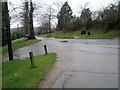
x=84, y=63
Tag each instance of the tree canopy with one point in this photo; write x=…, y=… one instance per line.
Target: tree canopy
x=64, y=17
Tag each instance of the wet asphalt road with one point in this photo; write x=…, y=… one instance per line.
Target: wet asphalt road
x=87, y=63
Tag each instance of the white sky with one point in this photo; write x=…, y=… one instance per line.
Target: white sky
x=74, y=4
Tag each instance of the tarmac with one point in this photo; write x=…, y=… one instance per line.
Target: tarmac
x=81, y=63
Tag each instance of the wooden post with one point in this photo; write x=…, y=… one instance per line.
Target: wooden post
x=45, y=47
x=32, y=60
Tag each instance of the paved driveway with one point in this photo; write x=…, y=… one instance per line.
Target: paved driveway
x=86, y=63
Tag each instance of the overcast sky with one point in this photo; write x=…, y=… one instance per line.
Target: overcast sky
x=74, y=4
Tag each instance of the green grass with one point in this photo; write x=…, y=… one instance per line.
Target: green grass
x=98, y=34
x=94, y=33
x=58, y=35
x=19, y=43
x=4, y=57
x=62, y=35
x=19, y=74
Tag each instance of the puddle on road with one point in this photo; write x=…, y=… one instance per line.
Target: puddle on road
x=63, y=41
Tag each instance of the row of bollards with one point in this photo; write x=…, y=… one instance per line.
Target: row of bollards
x=32, y=59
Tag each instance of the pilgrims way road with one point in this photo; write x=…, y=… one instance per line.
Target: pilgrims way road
x=81, y=63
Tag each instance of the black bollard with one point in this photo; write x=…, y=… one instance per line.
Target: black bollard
x=81, y=32
x=84, y=31
x=32, y=60
x=45, y=47
x=89, y=33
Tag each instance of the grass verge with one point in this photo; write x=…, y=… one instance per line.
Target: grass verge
x=18, y=73
x=94, y=33
x=19, y=43
x=58, y=35
x=98, y=34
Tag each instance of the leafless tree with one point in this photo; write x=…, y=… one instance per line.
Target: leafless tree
x=58, y=4
x=86, y=5
x=14, y=12
x=100, y=13
x=94, y=15
x=48, y=16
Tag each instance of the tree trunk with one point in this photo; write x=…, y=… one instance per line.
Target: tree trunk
x=49, y=25
x=7, y=27
x=4, y=31
x=0, y=23
x=32, y=35
x=26, y=24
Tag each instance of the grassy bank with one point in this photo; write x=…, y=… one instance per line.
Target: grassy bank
x=58, y=35
x=19, y=43
x=18, y=73
x=98, y=33
x=94, y=33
